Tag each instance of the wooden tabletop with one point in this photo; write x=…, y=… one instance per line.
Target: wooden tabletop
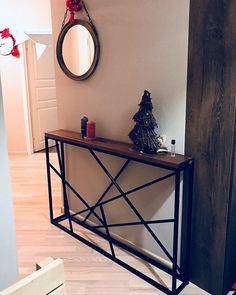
x=118, y=148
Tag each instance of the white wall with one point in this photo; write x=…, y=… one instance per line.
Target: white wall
x=8, y=265
x=19, y=16
x=143, y=46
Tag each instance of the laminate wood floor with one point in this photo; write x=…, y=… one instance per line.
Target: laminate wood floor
x=87, y=272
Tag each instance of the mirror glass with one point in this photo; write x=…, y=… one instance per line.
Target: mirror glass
x=78, y=50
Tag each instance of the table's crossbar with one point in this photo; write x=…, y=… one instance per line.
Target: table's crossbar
x=111, y=199
x=102, y=228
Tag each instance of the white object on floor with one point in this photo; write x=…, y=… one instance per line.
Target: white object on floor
x=49, y=278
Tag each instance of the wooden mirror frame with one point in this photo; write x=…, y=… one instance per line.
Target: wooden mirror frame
x=60, y=41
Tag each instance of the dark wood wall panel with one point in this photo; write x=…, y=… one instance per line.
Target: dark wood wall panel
x=230, y=250
x=230, y=255
x=210, y=131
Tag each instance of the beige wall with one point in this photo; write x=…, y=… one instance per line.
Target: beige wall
x=143, y=46
x=13, y=104
x=19, y=16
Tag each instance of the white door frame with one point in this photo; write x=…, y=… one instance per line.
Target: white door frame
x=26, y=92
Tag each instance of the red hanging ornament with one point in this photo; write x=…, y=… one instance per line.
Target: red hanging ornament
x=73, y=5
x=15, y=52
x=8, y=44
x=5, y=33
x=72, y=17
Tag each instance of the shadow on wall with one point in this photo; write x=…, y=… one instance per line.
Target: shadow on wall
x=152, y=202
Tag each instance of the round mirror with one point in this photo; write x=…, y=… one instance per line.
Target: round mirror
x=78, y=49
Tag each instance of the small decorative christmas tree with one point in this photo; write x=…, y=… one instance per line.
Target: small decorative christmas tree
x=143, y=134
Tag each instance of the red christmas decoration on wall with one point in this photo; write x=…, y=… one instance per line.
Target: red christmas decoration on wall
x=15, y=52
x=8, y=44
x=73, y=6
x=5, y=33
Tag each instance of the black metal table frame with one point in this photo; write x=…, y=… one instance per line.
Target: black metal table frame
x=177, y=273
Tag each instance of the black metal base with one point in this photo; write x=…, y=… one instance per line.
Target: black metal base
x=178, y=274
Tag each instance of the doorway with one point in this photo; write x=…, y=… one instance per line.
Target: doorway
x=41, y=88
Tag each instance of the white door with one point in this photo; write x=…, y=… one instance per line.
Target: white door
x=42, y=90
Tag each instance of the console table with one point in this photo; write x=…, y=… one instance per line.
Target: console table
x=175, y=167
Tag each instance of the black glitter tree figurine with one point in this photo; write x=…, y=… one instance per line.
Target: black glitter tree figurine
x=143, y=134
